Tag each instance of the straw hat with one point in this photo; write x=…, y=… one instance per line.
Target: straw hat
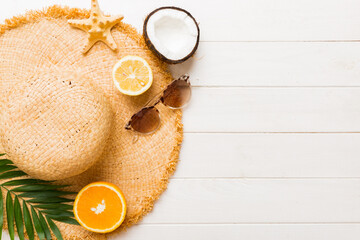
x=139, y=165
x=46, y=119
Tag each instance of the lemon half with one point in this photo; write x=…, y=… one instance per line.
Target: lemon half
x=132, y=75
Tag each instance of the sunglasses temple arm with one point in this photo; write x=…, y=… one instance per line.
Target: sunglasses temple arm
x=156, y=99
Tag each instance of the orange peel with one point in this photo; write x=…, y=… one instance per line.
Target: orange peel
x=100, y=207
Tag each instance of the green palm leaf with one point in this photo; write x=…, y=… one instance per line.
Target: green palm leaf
x=45, y=227
x=47, y=203
x=51, y=193
x=12, y=174
x=39, y=230
x=55, y=214
x=28, y=223
x=54, y=229
x=10, y=215
x=5, y=168
x=1, y=213
x=22, y=182
x=49, y=200
x=5, y=162
x=55, y=206
x=18, y=218
x=37, y=187
x=67, y=220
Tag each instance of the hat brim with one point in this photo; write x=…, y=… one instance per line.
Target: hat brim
x=140, y=165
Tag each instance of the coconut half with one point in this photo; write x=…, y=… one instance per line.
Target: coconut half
x=172, y=33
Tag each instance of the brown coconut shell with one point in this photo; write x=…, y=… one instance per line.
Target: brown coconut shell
x=152, y=47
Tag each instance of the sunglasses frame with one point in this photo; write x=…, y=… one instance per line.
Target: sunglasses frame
x=160, y=99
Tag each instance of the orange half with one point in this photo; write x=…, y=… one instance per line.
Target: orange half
x=100, y=207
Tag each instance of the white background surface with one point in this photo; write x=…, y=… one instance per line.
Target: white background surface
x=271, y=148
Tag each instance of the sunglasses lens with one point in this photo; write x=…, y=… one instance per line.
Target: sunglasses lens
x=146, y=121
x=177, y=94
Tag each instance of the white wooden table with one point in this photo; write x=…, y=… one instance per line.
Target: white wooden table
x=272, y=136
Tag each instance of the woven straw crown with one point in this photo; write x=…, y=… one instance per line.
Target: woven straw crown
x=55, y=125
x=139, y=165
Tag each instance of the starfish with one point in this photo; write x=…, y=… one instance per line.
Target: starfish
x=98, y=27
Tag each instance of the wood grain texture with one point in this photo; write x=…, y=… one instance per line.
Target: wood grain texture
x=244, y=231
x=258, y=201
x=273, y=64
x=7, y=10
x=265, y=156
x=208, y=155
x=247, y=20
x=273, y=110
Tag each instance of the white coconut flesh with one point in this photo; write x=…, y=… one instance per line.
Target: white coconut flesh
x=173, y=33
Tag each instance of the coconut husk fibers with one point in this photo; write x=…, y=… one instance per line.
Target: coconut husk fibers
x=140, y=166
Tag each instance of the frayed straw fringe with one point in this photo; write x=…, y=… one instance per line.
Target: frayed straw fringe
x=76, y=13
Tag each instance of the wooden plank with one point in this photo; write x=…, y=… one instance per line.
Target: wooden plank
x=269, y=155
x=273, y=110
x=7, y=236
x=273, y=64
x=247, y=20
x=8, y=10
x=237, y=231
x=258, y=201
x=242, y=231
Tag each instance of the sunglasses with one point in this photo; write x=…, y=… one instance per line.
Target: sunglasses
x=176, y=95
